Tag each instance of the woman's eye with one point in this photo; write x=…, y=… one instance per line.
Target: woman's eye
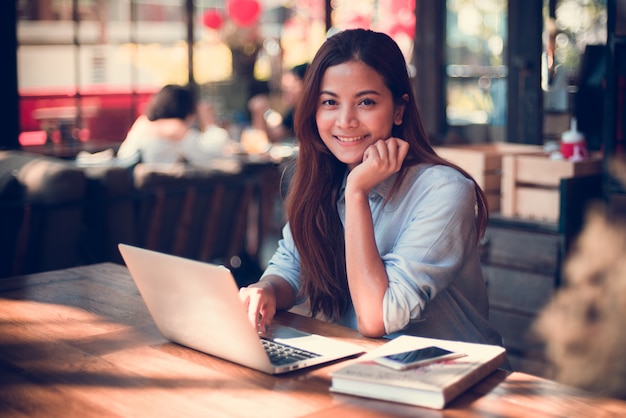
x=329, y=102
x=367, y=102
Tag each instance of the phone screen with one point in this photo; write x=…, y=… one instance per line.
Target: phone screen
x=401, y=361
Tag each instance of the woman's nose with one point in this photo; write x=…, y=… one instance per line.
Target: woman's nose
x=347, y=118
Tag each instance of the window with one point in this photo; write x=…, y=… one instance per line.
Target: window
x=574, y=68
x=104, y=58
x=86, y=67
x=476, y=73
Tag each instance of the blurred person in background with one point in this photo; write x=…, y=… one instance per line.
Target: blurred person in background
x=279, y=127
x=167, y=132
x=215, y=139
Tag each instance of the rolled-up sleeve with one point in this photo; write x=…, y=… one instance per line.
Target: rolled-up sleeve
x=286, y=262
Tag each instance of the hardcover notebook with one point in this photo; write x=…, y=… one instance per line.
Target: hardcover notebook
x=197, y=305
x=432, y=386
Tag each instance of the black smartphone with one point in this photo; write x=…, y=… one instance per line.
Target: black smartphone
x=419, y=357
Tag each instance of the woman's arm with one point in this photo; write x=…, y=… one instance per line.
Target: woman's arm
x=132, y=143
x=367, y=278
x=277, y=289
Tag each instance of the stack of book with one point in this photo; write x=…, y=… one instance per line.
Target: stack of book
x=432, y=385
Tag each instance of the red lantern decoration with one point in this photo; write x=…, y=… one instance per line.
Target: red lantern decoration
x=244, y=12
x=213, y=19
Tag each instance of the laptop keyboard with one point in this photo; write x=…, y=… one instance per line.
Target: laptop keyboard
x=280, y=354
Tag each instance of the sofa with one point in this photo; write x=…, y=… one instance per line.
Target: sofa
x=55, y=213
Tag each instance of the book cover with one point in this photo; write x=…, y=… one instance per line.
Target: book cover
x=432, y=386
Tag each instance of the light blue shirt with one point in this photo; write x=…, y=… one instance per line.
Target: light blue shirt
x=426, y=238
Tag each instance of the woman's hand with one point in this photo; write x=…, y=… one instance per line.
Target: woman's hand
x=380, y=160
x=259, y=299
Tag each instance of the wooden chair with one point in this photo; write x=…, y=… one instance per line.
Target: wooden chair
x=197, y=213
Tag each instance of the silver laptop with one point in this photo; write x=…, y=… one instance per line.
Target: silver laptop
x=197, y=305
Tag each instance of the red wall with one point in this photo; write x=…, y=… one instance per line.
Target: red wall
x=107, y=115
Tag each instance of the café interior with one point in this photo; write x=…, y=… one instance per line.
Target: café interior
x=500, y=85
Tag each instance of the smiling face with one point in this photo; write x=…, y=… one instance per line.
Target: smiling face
x=355, y=110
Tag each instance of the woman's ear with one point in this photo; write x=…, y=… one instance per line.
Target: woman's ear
x=398, y=113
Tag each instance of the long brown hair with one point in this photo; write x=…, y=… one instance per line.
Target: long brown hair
x=311, y=203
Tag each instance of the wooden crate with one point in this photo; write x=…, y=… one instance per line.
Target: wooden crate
x=530, y=184
x=484, y=163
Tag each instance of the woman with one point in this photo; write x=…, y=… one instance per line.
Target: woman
x=166, y=133
x=279, y=127
x=382, y=233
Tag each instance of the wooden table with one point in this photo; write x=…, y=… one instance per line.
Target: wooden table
x=80, y=342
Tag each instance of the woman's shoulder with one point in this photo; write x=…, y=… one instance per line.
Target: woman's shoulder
x=435, y=173
x=436, y=182
x=172, y=129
